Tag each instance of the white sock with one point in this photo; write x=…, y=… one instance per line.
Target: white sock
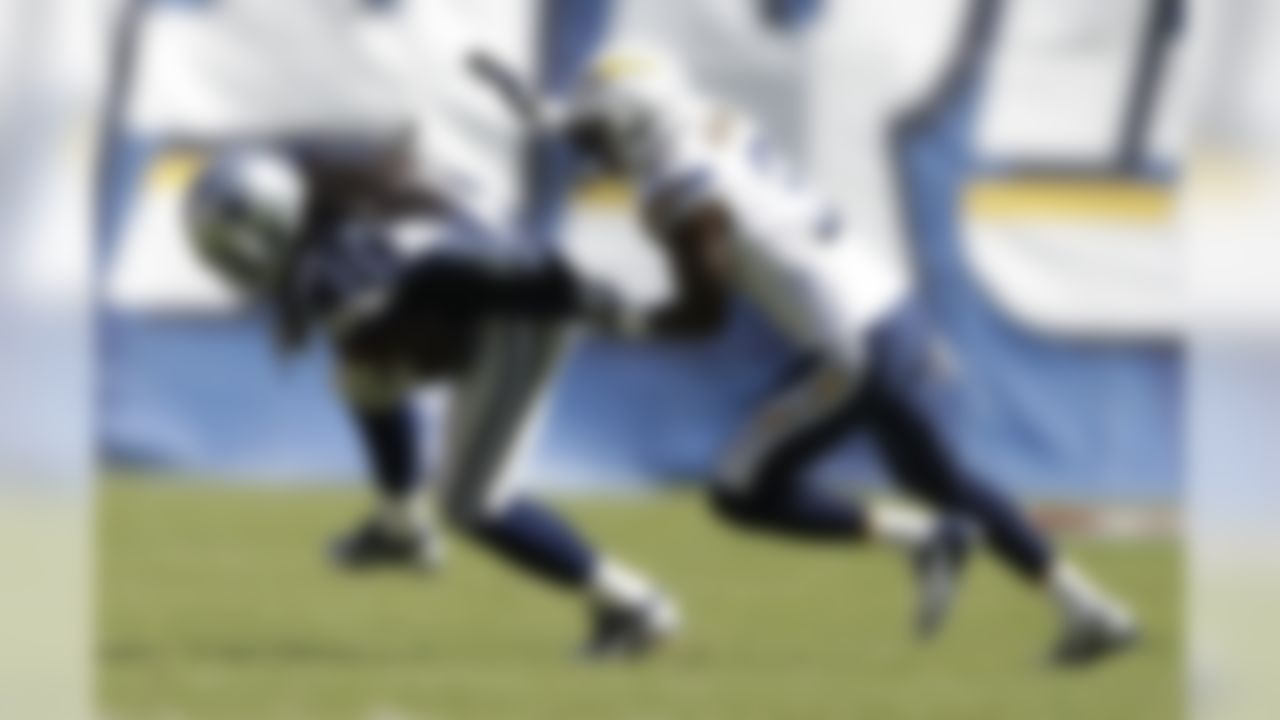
x=902, y=527
x=616, y=585
x=1078, y=597
x=405, y=515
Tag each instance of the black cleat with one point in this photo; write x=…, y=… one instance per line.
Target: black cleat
x=372, y=545
x=618, y=633
x=1090, y=640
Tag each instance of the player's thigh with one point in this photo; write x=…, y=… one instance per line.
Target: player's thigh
x=791, y=430
x=496, y=409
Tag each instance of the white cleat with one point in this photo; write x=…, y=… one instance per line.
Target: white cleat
x=630, y=633
x=939, y=566
x=372, y=545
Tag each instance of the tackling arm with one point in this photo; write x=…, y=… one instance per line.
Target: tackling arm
x=355, y=174
x=695, y=246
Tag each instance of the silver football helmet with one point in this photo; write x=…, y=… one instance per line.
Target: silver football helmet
x=245, y=212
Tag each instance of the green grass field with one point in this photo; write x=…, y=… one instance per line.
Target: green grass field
x=215, y=603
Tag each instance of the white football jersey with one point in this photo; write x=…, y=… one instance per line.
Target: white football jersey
x=792, y=253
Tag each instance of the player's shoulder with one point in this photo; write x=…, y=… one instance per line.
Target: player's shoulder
x=714, y=137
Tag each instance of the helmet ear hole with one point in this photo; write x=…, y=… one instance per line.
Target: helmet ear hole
x=592, y=138
x=634, y=132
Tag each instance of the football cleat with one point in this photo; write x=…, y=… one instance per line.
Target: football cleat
x=372, y=545
x=1094, y=637
x=630, y=633
x=939, y=564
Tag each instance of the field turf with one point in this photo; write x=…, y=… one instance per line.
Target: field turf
x=215, y=602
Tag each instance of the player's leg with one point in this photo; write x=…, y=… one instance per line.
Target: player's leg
x=761, y=483
x=907, y=365
x=390, y=425
x=762, y=487
x=497, y=411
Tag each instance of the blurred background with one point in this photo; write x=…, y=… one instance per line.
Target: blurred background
x=1093, y=219
x=1057, y=273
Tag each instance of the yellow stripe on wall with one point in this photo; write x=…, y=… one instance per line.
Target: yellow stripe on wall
x=1110, y=200
x=620, y=65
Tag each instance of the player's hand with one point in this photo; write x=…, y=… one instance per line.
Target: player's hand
x=538, y=113
x=607, y=311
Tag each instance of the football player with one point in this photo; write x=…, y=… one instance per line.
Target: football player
x=354, y=246
x=734, y=219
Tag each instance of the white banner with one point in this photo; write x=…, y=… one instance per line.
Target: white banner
x=230, y=68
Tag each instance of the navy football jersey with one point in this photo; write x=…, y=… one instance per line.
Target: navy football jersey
x=351, y=283
x=412, y=291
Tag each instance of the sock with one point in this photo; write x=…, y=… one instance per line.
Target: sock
x=901, y=527
x=616, y=585
x=391, y=443
x=404, y=514
x=535, y=539
x=1076, y=596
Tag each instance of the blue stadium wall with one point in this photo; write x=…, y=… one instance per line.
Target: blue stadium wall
x=1050, y=418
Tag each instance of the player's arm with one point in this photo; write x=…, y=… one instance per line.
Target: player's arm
x=695, y=245
x=371, y=174
x=549, y=289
